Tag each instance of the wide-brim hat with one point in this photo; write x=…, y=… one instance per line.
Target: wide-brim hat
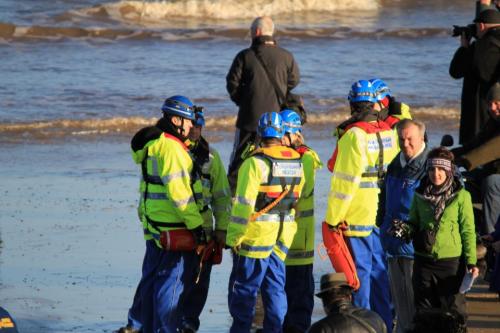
x=488, y=16
x=494, y=93
x=331, y=281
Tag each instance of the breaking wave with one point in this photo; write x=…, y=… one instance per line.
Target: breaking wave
x=134, y=11
x=11, y=32
x=88, y=128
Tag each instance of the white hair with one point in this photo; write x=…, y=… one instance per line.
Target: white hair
x=405, y=123
x=264, y=24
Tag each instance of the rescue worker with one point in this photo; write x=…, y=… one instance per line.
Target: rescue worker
x=215, y=204
x=392, y=110
x=359, y=163
x=262, y=227
x=299, y=286
x=167, y=209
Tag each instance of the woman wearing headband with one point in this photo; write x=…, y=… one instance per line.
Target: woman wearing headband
x=443, y=236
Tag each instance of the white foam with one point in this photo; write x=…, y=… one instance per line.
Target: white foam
x=156, y=11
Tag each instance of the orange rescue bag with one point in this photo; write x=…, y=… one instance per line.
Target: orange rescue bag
x=339, y=253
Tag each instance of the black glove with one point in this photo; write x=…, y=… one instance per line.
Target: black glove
x=401, y=230
x=199, y=235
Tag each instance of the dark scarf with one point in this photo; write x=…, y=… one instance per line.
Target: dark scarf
x=165, y=125
x=440, y=196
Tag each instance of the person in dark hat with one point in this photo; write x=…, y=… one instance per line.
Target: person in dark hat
x=342, y=316
x=478, y=63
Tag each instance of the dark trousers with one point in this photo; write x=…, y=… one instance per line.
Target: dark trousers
x=241, y=139
x=491, y=202
x=436, y=284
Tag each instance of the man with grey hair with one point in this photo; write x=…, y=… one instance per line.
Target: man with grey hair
x=402, y=178
x=257, y=82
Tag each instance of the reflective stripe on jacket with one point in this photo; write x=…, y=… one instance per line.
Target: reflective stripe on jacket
x=357, y=171
x=167, y=201
x=301, y=251
x=260, y=180
x=216, y=193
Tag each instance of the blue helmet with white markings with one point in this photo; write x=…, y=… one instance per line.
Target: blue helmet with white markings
x=362, y=91
x=291, y=121
x=200, y=117
x=381, y=89
x=271, y=125
x=179, y=106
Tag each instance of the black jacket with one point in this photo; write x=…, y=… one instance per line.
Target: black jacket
x=248, y=85
x=350, y=319
x=479, y=66
x=482, y=150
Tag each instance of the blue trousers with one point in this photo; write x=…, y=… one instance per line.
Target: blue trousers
x=196, y=299
x=247, y=276
x=148, y=268
x=371, y=266
x=299, y=288
x=174, y=274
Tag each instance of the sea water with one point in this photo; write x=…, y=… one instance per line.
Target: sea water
x=78, y=78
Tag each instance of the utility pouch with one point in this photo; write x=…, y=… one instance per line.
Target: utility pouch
x=212, y=253
x=177, y=240
x=424, y=240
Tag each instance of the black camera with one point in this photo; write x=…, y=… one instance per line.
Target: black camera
x=469, y=30
x=197, y=109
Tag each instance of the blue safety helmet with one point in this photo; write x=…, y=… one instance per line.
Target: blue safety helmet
x=362, y=91
x=381, y=89
x=200, y=118
x=179, y=106
x=271, y=125
x=291, y=121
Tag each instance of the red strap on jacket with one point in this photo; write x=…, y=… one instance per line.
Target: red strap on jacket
x=170, y=136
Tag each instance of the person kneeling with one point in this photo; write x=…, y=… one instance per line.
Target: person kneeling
x=342, y=316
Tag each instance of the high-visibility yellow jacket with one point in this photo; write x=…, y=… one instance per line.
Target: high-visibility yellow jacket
x=359, y=164
x=402, y=113
x=216, y=194
x=261, y=179
x=301, y=251
x=167, y=200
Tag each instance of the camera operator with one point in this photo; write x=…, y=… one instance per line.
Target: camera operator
x=478, y=63
x=484, y=151
x=489, y=4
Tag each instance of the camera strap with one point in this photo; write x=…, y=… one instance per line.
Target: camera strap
x=279, y=94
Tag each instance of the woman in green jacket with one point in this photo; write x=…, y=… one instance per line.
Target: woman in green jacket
x=443, y=236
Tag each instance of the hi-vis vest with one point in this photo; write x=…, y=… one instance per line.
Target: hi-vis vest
x=301, y=251
x=261, y=179
x=212, y=193
x=359, y=164
x=167, y=200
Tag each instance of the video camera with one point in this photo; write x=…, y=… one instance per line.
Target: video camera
x=469, y=31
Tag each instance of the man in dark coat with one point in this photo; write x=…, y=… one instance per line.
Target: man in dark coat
x=342, y=316
x=478, y=63
x=250, y=86
x=484, y=151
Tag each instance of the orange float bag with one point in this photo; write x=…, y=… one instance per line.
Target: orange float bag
x=339, y=253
